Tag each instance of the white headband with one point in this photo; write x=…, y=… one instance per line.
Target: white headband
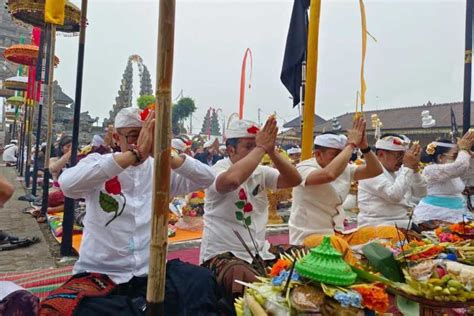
x=441, y=144
x=294, y=150
x=242, y=129
x=178, y=144
x=331, y=141
x=128, y=117
x=391, y=143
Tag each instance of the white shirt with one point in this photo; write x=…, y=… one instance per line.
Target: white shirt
x=317, y=209
x=220, y=215
x=121, y=250
x=9, y=153
x=385, y=199
x=444, y=180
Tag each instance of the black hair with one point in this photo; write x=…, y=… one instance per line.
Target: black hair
x=317, y=147
x=391, y=134
x=439, y=150
x=65, y=140
x=232, y=142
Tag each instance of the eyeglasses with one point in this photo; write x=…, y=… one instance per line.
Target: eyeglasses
x=130, y=138
x=398, y=155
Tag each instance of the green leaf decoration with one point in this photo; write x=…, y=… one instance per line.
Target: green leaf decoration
x=248, y=221
x=108, y=203
x=239, y=216
x=240, y=205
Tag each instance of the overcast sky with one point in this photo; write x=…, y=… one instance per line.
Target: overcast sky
x=418, y=55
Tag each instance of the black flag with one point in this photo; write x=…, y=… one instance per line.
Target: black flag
x=454, y=126
x=295, y=50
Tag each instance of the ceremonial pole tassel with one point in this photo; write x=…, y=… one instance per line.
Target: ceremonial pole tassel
x=162, y=154
x=311, y=78
x=248, y=52
x=363, y=86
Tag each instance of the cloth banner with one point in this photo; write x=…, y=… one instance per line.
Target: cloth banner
x=54, y=11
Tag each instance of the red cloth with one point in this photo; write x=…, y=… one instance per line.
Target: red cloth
x=64, y=300
x=55, y=198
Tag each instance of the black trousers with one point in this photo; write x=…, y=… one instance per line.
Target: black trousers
x=189, y=290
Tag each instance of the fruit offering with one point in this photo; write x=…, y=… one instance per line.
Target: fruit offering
x=195, y=204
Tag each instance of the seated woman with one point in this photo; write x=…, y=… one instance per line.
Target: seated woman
x=56, y=166
x=448, y=162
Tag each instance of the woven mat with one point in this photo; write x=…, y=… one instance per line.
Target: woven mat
x=39, y=282
x=185, y=235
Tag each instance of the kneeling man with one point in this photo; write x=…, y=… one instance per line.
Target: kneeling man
x=385, y=199
x=110, y=276
x=237, y=201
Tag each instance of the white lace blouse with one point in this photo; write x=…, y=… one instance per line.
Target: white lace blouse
x=445, y=179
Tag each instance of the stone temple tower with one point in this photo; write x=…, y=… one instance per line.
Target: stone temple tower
x=125, y=93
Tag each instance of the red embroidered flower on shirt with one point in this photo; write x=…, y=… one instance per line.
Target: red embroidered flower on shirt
x=248, y=208
x=113, y=186
x=108, y=203
x=242, y=195
x=244, y=207
x=253, y=129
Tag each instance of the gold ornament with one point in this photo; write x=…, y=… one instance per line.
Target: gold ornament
x=431, y=149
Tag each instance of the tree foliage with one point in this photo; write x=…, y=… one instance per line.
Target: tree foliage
x=181, y=111
x=145, y=100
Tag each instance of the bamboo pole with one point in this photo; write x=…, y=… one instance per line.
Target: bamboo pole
x=162, y=153
x=49, y=133
x=311, y=77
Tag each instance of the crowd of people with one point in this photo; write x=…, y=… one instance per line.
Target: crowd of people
x=400, y=185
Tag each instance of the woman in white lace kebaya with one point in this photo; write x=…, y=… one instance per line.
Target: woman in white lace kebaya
x=448, y=162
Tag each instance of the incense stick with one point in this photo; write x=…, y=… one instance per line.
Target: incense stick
x=244, y=244
x=254, y=258
x=253, y=241
x=403, y=251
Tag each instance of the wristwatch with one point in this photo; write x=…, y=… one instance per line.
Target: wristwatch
x=366, y=150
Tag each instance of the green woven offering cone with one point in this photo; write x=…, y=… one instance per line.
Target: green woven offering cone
x=324, y=264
